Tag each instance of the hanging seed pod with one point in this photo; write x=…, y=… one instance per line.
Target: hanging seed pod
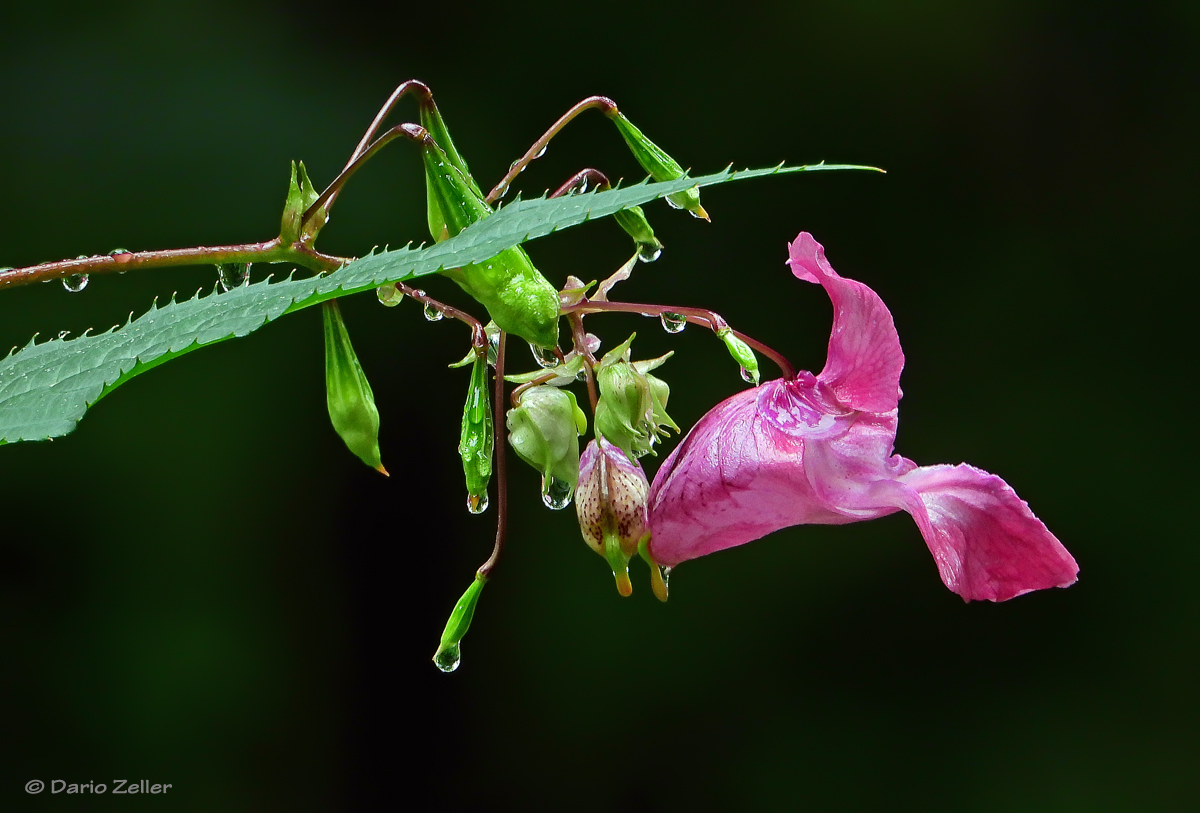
x=347, y=391
x=477, y=438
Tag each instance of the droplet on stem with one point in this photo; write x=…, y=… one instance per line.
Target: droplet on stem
x=75, y=282
x=546, y=358
x=432, y=313
x=389, y=295
x=233, y=275
x=673, y=322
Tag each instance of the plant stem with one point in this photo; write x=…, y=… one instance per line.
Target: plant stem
x=478, y=336
x=699, y=316
x=271, y=251
x=498, y=444
x=603, y=102
x=579, y=339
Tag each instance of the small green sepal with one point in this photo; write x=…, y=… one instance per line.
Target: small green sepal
x=300, y=196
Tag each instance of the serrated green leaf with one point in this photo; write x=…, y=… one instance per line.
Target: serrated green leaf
x=45, y=389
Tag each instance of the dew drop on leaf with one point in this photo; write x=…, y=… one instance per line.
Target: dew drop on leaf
x=389, y=295
x=544, y=357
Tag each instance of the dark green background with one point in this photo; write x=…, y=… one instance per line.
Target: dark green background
x=201, y=586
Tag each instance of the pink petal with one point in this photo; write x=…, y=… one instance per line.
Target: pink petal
x=864, y=361
x=737, y=477
x=985, y=540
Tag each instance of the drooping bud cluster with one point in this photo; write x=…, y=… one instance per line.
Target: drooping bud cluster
x=611, y=504
x=632, y=410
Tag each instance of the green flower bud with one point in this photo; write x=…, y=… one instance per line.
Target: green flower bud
x=742, y=354
x=633, y=221
x=518, y=298
x=432, y=121
x=544, y=431
x=661, y=166
x=449, y=652
x=632, y=405
x=300, y=196
x=476, y=440
x=347, y=391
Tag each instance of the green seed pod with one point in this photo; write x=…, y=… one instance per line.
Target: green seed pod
x=661, y=166
x=518, y=298
x=449, y=651
x=741, y=353
x=544, y=431
x=633, y=221
x=476, y=440
x=347, y=391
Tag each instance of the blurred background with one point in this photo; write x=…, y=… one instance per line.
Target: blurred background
x=201, y=586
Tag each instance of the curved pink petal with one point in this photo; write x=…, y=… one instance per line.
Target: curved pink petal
x=985, y=540
x=864, y=362
x=738, y=476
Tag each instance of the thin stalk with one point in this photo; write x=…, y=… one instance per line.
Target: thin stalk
x=270, y=251
x=579, y=339
x=698, y=316
x=478, y=335
x=498, y=427
x=603, y=102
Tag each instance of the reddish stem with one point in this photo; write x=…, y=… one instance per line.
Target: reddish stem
x=498, y=428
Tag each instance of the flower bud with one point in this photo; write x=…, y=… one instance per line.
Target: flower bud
x=347, y=391
x=741, y=353
x=544, y=431
x=661, y=166
x=300, y=196
x=633, y=221
x=632, y=406
x=518, y=298
x=449, y=653
x=611, y=505
x=476, y=439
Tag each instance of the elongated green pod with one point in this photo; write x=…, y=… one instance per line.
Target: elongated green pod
x=741, y=353
x=347, y=391
x=518, y=298
x=633, y=221
x=661, y=166
x=476, y=439
x=449, y=651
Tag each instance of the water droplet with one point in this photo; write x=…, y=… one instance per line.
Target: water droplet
x=117, y=251
x=75, y=282
x=447, y=658
x=501, y=191
x=233, y=275
x=389, y=295
x=666, y=574
x=477, y=505
x=649, y=252
x=556, y=493
x=749, y=379
x=673, y=204
x=513, y=166
x=432, y=313
x=581, y=187
x=673, y=322
x=541, y=152
x=544, y=357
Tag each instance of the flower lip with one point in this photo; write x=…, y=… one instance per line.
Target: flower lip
x=804, y=407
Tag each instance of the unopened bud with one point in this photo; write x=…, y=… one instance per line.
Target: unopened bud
x=611, y=504
x=476, y=439
x=300, y=196
x=449, y=651
x=347, y=391
x=633, y=221
x=544, y=431
x=741, y=353
x=630, y=414
x=661, y=166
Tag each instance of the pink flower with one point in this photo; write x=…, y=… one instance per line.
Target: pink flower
x=818, y=450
